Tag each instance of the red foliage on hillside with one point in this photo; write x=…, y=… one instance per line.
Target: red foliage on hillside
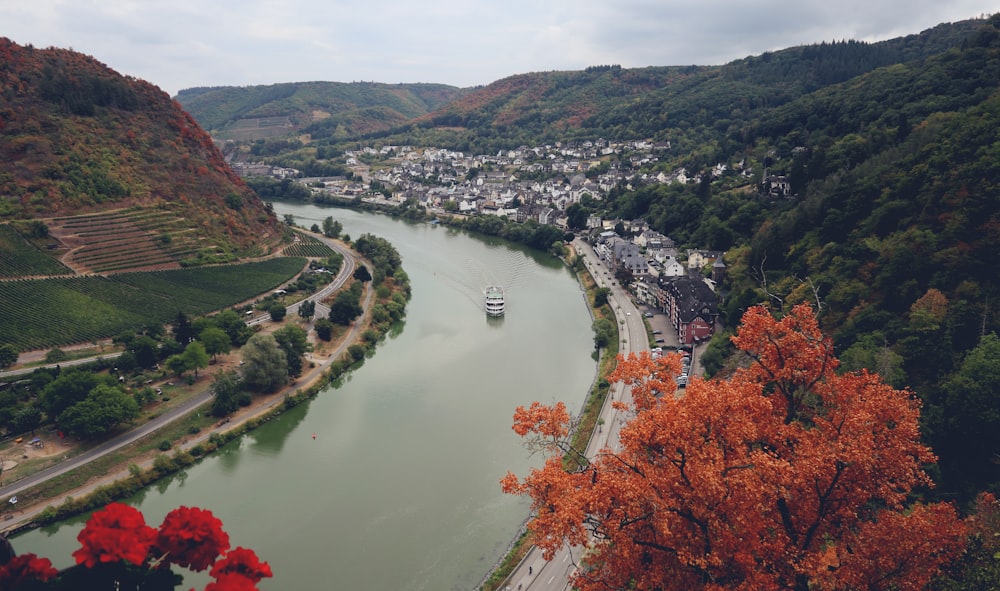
x=77, y=137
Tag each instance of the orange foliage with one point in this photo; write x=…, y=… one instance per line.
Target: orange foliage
x=785, y=476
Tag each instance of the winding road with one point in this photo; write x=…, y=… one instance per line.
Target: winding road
x=116, y=443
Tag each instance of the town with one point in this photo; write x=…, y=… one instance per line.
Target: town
x=542, y=183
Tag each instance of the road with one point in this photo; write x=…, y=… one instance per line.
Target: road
x=347, y=269
x=534, y=573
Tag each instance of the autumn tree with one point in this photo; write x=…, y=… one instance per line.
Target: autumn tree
x=787, y=475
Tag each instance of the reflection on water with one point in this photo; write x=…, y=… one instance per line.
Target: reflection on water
x=399, y=490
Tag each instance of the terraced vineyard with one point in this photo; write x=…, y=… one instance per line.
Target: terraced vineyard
x=125, y=240
x=19, y=258
x=45, y=313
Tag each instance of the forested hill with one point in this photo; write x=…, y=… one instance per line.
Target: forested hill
x=892, y=226
x=77, y=137
x=320, y=109
x=687, y=105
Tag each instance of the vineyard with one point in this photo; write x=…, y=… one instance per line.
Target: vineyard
x=307, y=246
x=53, y=312
x=136, y=238
x=19, y=258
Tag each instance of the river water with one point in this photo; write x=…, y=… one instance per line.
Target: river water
x=399, y=488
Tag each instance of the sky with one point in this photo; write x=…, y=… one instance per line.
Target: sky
x=180, y=44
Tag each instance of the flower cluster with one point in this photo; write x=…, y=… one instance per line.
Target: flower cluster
x=117, y=545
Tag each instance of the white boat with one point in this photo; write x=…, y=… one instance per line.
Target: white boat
x=495, y=303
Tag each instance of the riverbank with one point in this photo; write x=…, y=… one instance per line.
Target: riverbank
x=146, y=460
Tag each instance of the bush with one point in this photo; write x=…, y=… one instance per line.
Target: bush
x=165, y=445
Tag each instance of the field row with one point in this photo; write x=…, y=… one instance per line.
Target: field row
x=18, y=257
x=46, y=313
x=108, y=242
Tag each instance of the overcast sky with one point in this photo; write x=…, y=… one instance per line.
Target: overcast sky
x=179, y=44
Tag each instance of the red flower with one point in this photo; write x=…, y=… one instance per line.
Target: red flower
x=241, y=561
x=117, y=532
x=192, y=537
x=232, y=582
x=24, y=568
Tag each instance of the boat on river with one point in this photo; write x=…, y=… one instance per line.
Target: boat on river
x=495, y=302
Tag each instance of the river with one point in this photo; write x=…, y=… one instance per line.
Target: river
x=399, y=488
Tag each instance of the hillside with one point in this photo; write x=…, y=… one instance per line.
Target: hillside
x=683, y=104
x=320, y=109
x=78, y=138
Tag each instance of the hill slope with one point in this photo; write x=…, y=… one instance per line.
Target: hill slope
x=663, y=103
x=321, y=109
x=77, y=137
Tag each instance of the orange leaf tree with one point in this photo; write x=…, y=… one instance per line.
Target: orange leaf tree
x=787, y=475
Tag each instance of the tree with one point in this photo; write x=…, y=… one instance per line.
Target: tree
x=176, y=364
x=295, y=343
x=324, y=329
x=265, y=367
x=8, y=356
x=233, y=323
x=362, y=274
x=71, y=387
x=277, y=311
x=27, y=418
x=307, y=309
x=966, y=425
x=225, y=393
x=345, y=308
x=601, y=296
x=103, y=409
x=604, y=332
x=215, y=341
x=576, y=216
x=182, y=329
x=195, y=357
x=145, y=350
x=331, y=227
x=784, y=476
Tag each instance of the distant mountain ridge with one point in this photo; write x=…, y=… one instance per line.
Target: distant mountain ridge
x=78, y=138
x=601, y=101
x=321, y=109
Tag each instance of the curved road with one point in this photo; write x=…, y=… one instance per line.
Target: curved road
x=534, y=572
x=347, y=269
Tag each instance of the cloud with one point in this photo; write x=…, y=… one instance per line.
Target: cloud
x=184, y=43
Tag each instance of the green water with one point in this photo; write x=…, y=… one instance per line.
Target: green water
x=399, y=488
